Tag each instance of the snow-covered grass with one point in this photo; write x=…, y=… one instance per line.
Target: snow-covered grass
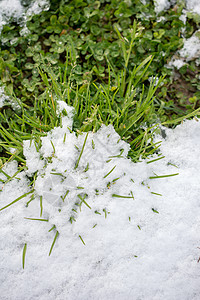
x=113, y=229
x=81, y=220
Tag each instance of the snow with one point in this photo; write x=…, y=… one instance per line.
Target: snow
x=190, y=51
x=6, y=100
x=177, y=63
x=3, y=97
x=191, y=5
x=191, y=48
x=161, y=5
x=14, y=9
x=141, y=247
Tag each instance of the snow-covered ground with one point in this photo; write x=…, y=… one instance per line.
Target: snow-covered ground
x=142, y=245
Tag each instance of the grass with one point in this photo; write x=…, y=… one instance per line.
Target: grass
x=24, y=255
x=127, y=109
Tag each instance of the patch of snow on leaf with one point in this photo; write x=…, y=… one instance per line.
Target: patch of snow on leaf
x=191, y=48
x=3, y=97
x=161, y=5
x=177, y=63
x=193, y=5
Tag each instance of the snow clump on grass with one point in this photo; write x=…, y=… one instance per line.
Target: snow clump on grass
x=78, y=171
x=76, y=174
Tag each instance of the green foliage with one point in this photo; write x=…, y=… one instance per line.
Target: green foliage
x=86, y=29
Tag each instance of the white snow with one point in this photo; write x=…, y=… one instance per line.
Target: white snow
x=190, y=51
x=6, y=100
x=130, y=251
x=14, y=9
x=3, y=98
x=191, y=5
x=191, y=48
x=177, y=63
x=161, y=5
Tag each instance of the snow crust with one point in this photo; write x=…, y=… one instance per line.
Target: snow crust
x=141, y=247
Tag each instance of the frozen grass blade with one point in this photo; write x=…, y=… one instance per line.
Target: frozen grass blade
x=81, y=240
x=153, y=160
x=16, y=200
x=55, y=238
x=156, y=194
x=53, y=147
x=87, y=168
x=64, y=138
x=120, y=196
x=110, y=172
x=52, y=228
x=83, y=200
x=63, y=197
x=14, y=176
x=41, y=206
x=76, y=166
x=4, y=173
x=35, y=219
x=23, y=255
x=163, y=176
x=132, y=195
x=59, y=174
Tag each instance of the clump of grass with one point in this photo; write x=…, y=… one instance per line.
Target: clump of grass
x=122, y=100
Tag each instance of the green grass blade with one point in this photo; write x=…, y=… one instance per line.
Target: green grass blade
x=163, y=176
x=110, y=172
x=120, y=196
x=23, y=255
x=153, y=160
x=76, y=166
x=55, y=238
x=35, y=219
x=81, y=240
x=16, y=200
